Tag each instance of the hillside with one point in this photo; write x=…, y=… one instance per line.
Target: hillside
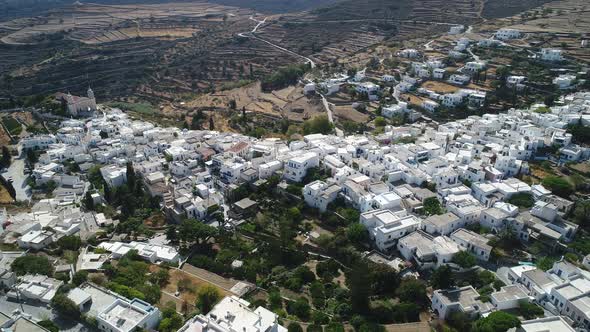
x=277, y=6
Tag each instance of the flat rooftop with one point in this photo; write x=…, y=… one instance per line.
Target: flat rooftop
x=123, y=315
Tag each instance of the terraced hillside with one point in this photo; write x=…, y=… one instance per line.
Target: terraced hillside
x=166, y=50
x=159, y=51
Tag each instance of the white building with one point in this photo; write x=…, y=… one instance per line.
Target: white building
x=518, y=82
x=233, y=314
x=456, y=29
x=36, y=288
x=473, y=243
x=564, y=81
x=78, y=105
x=459, y=79
x=506, y=33
x=37, y=142
x=126, y=316
x=385, y=227
x=474, y=66
x=443, y=224
x=113, y=175
x=572, y=299
x=426, y=251
x=268, y=169
x=319, y=194
x=464, y=299
x=439, y=73
x=35, y=239
x=430, y=105
x=546, y=324
x=150, y=252
x=509, y=297
x=408, y=53
x=551, y=54
x=368, y=88
x=296, y=168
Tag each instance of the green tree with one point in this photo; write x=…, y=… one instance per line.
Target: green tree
x=80, y=277
x=442, y=278
x=131, y=179
x=582, y=212
x=274, y=300
x=197, y=119
x=460, y=321
x=88, y=201
x=6, y=157
x=380, y=121
x=357, y=233
x=464, y=259
x=412, y=290
x=522, y=200
x=497, y=321
x=359, y=288
x=580, y=133
x=432, y=206
x=318, y=125
x=65, y=307
x=283, y=77
x=194, y=231
x=334, y=327
x=384, y=279
x=171, y=320
x=530, y=310
x=172, y=234
x=31, y=156
x=559, y=186
x=70, y=242
x=207, y=297
x=32, y=264
x=49, y=325
x=299, y=308
x=317, y=290
x=294, y=327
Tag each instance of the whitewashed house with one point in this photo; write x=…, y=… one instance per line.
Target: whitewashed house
x=552, y=55
x=296, y=168
x=507, y=33
x=319, y=194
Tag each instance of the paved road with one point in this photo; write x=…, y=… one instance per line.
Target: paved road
x=19, y=180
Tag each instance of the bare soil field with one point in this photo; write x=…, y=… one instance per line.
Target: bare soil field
x=288, y=103
x=4, y=138
x=190, y=288
x=5, y=197
x=95, y=23
x=349, y=113
x=154, y=53
x=560, y=24
x=439, y=87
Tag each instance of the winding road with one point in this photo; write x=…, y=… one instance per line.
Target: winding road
x=325, y=103
x=251, y=34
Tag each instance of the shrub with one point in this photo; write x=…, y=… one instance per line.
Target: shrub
x=464, y=259
x=530, y=310
x=294, y=327
x=65, y=307
x=558, y=186
x=207, y=297
x=32, y=264
x=522, y=200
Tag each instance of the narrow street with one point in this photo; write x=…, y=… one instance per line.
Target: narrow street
x=15, y=174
